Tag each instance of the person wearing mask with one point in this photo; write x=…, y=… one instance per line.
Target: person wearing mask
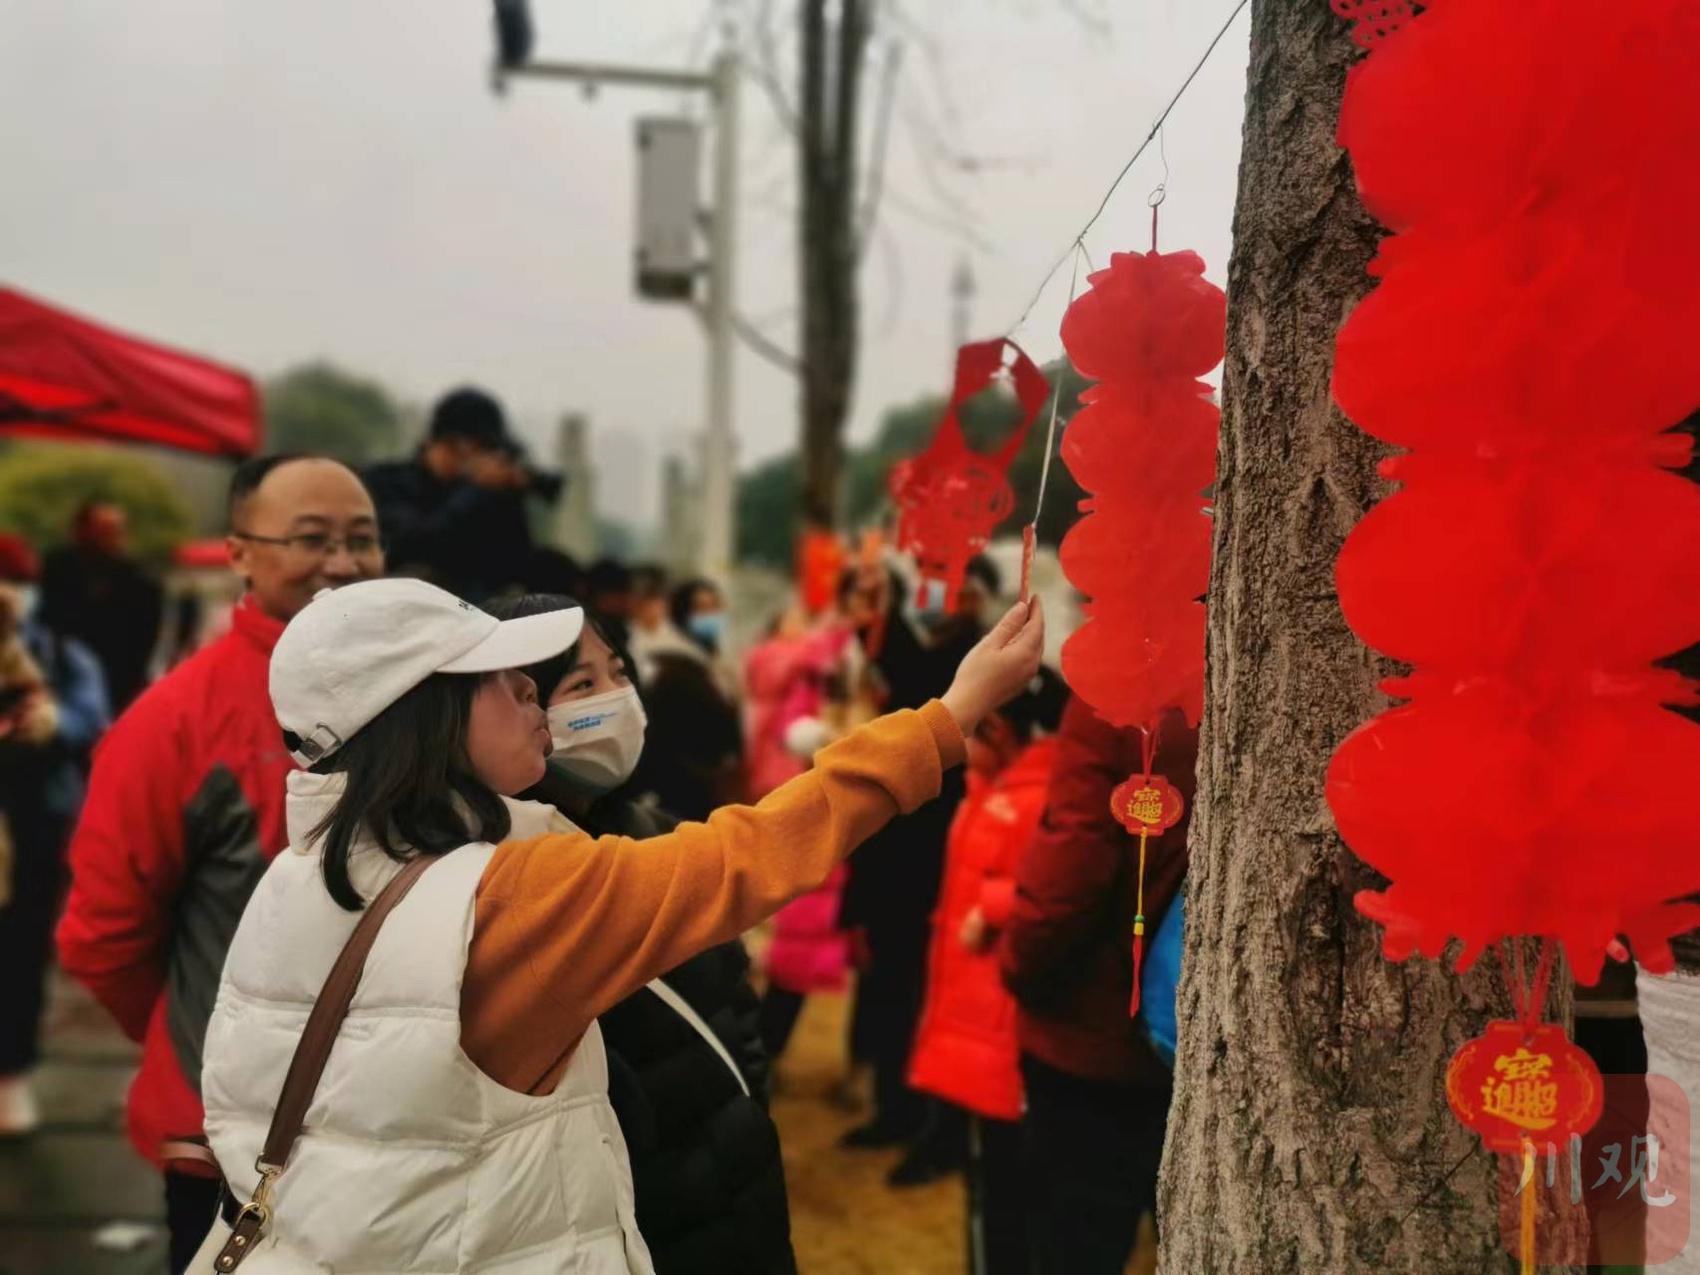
x=966, y=1051
x=94, y=592
x=185, y=807
x=1067, y=956
x=894, y=883
x=46, y=730
x=688, y=1077
x=693, y=763
x=462, y=1119
x=454, y=513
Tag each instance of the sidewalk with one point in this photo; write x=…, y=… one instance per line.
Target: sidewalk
x=78, y=1175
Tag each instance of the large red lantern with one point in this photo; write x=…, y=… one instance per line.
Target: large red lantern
x=1143, y=447
x=1529, y=345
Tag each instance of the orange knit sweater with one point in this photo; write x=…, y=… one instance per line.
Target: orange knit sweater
x=569, y=925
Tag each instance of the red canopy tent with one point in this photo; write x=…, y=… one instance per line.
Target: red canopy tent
x=64, y=377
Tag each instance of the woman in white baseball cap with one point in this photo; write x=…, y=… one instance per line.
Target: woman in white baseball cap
x=457, y=1126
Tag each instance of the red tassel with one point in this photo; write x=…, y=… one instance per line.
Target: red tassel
x=1138, y=960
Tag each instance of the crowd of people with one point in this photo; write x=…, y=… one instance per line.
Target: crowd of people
x=203, y=842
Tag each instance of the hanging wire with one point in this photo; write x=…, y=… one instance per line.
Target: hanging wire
x=1156, y=129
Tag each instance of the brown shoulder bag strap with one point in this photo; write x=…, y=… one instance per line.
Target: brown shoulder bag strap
x=312, y=1051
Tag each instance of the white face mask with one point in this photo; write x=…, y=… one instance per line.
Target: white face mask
x=598, y=740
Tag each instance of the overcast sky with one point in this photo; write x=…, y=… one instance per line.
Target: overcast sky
x=268, y=182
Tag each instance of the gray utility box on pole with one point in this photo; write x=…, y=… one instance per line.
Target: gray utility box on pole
x=669, y=208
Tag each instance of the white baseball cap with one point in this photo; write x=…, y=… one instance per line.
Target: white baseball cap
x=354, y=651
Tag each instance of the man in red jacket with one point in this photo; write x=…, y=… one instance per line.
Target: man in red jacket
x=1097, y=1095
x=185, y=808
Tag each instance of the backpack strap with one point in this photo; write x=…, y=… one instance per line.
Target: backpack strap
x=312, y=1051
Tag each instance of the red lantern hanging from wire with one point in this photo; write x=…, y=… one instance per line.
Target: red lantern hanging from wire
x=1143, y=447
x=950, y=497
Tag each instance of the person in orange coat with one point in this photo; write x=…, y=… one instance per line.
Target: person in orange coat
x=966, y=1049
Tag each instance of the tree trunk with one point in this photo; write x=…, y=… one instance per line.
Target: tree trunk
x=1310, y=1130
x=827, y=245
x=1687, y=946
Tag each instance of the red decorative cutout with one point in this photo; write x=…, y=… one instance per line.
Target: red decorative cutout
x=820, y=563
x=950, y=498
x=1376, y=19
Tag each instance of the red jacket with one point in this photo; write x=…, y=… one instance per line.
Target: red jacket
x=1068, y=951
x=184, y=811
x=965, y=1049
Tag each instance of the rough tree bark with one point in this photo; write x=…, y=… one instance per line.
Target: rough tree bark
x=1309, y=1130
x=831, y=75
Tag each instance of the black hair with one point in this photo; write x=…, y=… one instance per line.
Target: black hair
x=547, y=674
x=984, y=570
x=684, y=596
x=649, y=580
x=472, y=414
x=607, y=575
x=411, y=786
x=1039, y=707
x=551, y=571
x=245, y=480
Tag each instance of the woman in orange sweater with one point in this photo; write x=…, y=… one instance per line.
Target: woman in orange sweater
x=407, y=705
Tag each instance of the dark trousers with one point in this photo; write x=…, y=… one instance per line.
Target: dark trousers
x=888, y=997
x=190, y=1204
x=26, y=929
x=780, y=1009
x=997, y=1204
x=1092, y=1154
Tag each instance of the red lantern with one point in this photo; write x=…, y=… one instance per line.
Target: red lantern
x=950, y=498
x=1515, y=1087
x=1529, y=343
x=1144, y=447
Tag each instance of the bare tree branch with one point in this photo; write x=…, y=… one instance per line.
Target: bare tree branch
x=764, y=68
x=762, y=344
x=961, y=230
x=881, y=143
x=1096, y=23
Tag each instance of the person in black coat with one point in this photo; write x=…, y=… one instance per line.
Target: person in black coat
x=94, y=592
x=455, y=513
x=895, y=877
x=687, y=1072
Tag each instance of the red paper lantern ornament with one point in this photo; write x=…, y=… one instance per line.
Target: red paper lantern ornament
x=950, y=498
x=1514, y=1086
x=1143, y=447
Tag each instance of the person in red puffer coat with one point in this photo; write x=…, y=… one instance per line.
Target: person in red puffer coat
x=966, y=1049
x=185, y=809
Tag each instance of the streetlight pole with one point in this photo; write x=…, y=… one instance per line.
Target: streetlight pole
x=721, y=451
x=714, y=548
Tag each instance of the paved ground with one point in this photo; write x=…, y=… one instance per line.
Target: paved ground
x=62, y=1188
x=75, y=1200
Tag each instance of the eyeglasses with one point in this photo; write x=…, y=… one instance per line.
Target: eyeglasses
x=318, y=544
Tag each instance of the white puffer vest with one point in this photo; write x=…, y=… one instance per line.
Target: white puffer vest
x=410, y=1159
